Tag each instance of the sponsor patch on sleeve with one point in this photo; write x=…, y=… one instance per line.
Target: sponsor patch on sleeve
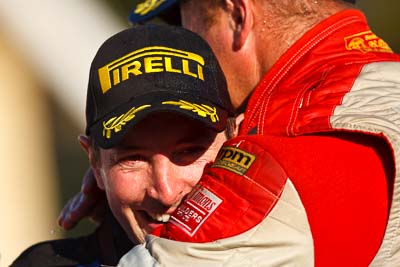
x=195, y=210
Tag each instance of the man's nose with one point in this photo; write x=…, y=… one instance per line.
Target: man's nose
x=168, y=183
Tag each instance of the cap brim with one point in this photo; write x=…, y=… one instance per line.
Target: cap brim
x=144, y=11
x=110, y=130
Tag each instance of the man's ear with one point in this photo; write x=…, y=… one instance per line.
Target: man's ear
x=93, y=161
x=241, y=13
x=85, y=143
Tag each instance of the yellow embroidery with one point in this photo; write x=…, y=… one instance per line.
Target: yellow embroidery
x=201, y=110
x=147, y=6
x=366, y=42
x=115, y=124
x=150, y=60
x=234, y=159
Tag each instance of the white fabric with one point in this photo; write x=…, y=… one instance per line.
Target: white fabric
x=138, y=256
x=373, y=105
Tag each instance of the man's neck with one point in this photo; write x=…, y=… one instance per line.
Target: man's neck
x=279, y=34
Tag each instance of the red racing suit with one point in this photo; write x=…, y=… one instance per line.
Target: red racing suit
x=330, y=111
x=327, y=115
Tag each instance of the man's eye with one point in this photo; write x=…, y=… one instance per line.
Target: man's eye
x=131, y=161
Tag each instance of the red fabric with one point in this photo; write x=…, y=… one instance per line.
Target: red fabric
x=343, y=182
x=299, y=93
x=341, y=179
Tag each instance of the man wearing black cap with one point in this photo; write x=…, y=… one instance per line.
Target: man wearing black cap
x=156, y=97
x=157, y=107
x=156, y=100
x=322, y=89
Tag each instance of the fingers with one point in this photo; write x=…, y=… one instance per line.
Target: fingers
x=65, y=220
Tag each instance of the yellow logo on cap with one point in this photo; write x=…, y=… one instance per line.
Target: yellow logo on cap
x=366, y=42
x=234, y=159
x=147, y=6
x=150, y=60
x=115, y=124
x=202, y=110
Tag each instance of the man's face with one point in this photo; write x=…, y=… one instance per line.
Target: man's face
x=155, y=166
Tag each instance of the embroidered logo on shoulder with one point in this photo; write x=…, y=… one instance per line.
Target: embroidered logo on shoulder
x=234, y=159
x=366, y=42
x=195, y=210
x=147, y=6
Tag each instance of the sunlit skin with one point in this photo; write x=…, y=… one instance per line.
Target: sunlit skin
x=153, y=168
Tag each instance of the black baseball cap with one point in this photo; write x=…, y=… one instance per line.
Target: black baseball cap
x=153, y=68
x=168, y=10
